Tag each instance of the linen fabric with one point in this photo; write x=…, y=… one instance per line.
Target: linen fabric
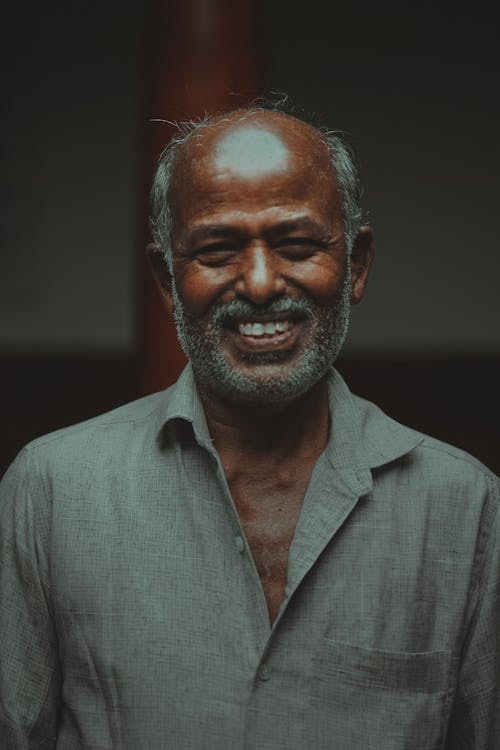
x=132, y=615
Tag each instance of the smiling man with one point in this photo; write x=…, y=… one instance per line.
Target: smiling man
x=261, y=260
x=254, y=558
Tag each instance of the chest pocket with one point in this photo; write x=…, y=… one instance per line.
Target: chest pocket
x=371, y=699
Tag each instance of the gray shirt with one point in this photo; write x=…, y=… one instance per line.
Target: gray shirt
x=132, y=614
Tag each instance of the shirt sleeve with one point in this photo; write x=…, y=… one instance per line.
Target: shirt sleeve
x=29, y=670
x=475, y=718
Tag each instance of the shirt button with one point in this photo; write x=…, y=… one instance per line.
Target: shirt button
x=264, y=674
x=240, y=544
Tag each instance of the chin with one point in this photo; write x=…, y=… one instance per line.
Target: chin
x=262, y=377
x=272, y=383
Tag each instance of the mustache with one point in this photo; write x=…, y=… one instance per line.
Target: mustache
x=239, y=310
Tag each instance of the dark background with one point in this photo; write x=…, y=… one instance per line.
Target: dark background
x=416, y=92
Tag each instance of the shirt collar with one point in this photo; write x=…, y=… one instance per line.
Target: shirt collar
x=361, y=432
x=183, y=402
x=361, y=438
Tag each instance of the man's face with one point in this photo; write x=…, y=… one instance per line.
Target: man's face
x=261, y=288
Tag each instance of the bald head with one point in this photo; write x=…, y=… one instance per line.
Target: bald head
x=254, y=145
x=250, y=144
x=266, y=153
x=250, y=150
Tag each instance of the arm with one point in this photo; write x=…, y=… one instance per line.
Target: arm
x=475, y=719
x=29, y=668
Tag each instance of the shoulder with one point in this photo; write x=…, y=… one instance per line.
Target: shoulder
x=122, y=418
x=452, y=460
x=461, y=485
x=423, y=474
x=451, y=481
x=445, y=466
x=435, y=491
x=443, y=488
x=105, y=440
x=387, y=442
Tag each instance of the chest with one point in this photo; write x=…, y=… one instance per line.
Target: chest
x=269, y=506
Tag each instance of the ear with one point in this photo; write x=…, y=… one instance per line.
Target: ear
x=161, y=273
x=361, y=261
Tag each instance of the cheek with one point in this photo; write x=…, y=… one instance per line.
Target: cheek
x=200, y=287
x=321, y=280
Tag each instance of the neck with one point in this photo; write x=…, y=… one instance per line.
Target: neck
x=297, y=428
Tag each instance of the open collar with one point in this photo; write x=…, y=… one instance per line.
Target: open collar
x=361, y=437
x=360, y=433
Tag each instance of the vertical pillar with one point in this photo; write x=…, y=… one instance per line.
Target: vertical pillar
x=204, y=56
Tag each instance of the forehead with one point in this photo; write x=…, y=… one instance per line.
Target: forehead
x=250, y=151
x=250, y=147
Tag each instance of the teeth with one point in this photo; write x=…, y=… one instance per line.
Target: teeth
x=283, y=325
x=259, y=329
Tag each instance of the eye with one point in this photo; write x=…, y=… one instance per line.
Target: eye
x=215, y=254
x=298, y=248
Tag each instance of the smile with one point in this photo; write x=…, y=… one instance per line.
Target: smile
x=269, y=328
x=266, y=336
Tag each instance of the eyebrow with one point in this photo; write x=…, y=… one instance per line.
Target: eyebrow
x=295, y=225
x=224, y=231
x=212, y=231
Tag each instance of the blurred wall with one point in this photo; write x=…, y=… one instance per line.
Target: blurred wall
x=415, y=88
x=70, y=178
x=416, y=92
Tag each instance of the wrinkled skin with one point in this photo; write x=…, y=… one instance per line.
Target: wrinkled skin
x=257, y=232
x=258, y=237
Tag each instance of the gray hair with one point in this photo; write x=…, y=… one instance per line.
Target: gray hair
x=341, y=159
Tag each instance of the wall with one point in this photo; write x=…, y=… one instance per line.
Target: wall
x=416, y=93
x=72, y=140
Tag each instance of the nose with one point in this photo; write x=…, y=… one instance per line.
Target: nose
x=259, y=278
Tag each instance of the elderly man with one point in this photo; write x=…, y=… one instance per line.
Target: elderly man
x=254, y=558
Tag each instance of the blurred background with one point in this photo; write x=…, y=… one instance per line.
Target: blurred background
x=415, y=90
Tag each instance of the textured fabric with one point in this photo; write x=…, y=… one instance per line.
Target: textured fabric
x=132, y=615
